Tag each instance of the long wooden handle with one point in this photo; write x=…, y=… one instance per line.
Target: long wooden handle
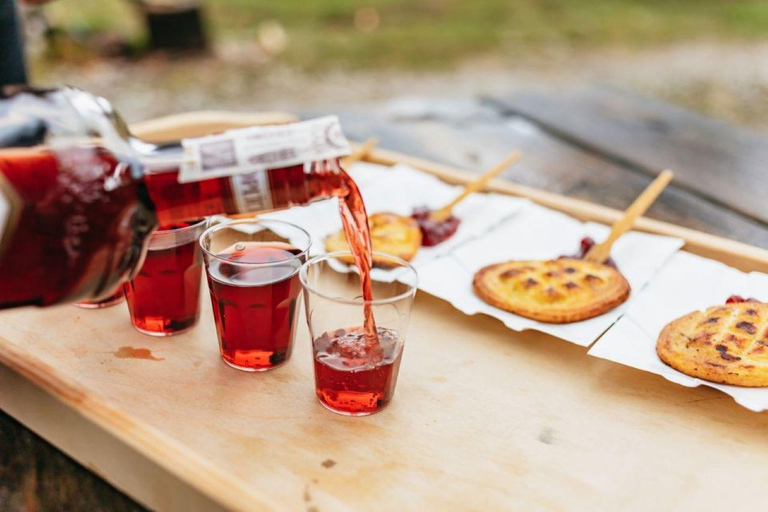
x=600, y=252
x=361, y=153
x=477, y=185
x=197, y=124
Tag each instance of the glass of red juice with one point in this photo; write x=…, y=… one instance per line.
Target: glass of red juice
x=164, y=297
x=252, y=268
x=356, y=372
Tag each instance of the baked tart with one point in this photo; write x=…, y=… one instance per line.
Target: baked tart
x=553, y=291
x=725, y=344
x=390, y=233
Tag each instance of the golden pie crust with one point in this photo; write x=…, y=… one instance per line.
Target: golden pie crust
x=553, y=291
x=390, y=233
x=725, y=344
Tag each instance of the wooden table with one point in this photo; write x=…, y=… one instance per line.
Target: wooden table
x=600, y=145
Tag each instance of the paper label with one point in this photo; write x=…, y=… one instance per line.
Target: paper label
x=262, y=147
x=251, y=192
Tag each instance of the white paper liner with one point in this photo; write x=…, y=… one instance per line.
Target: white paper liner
x=399, y=190
x=686, y=283
x=540, y=233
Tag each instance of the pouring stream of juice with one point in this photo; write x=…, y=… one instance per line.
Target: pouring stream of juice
x=355, y=221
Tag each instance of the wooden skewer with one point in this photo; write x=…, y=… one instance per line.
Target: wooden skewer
x=361, y=153
x=477, y=185
x=600, y=252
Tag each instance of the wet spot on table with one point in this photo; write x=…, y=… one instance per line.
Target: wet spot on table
x=136, y=353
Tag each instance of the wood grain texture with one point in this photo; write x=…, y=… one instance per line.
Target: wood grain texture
x=34, y=475
x=742, y=256
x=552, y=165
x=719, y=161
x=541, y=424
x=601, y=251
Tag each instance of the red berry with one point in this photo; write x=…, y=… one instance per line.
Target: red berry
x=586, y=244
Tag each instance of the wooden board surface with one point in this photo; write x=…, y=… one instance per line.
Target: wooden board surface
x=483, y=418
x=719, y=161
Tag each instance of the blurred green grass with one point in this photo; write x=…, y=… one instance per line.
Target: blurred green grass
x=429, y=33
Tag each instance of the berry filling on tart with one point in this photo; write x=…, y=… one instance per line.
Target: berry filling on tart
x=434, y=232
x=586, y=244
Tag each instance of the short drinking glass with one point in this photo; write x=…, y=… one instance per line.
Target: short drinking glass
x=354, y=375
x=164, y=297
x=112, y=299
x=253, y=276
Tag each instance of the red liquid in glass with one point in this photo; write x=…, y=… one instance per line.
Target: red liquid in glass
x=288, y=186
x=351, y=377
x=164, y=297
x=255, y=306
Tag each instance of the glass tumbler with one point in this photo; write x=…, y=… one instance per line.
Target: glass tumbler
x=253, y=276
x=112, y=299
x=356, y=376
x=164, y=297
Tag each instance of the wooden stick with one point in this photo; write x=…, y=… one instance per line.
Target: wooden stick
x=477, y=185
x=600, y=252
x=362, y=152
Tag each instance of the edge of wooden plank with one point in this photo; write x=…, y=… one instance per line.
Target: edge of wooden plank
x=198, y=124
x=163, y=450
x=96, y=449
x=697, y=134
x=742, y=256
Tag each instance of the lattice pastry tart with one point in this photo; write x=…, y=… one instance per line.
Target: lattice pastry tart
x=553, y=291
x=724, y=344
x=390, y=233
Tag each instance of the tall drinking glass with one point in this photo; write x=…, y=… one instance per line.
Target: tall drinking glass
x=253, y=276
x=356, y=376
x=164, y=297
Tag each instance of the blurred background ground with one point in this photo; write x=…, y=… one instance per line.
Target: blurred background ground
x=708, y=55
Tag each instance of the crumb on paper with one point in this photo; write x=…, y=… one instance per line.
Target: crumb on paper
x=328, y=463
x=547, y=435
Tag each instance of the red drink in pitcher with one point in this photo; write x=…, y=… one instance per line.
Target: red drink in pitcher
x=356, y=377
x=80, y=196
x=164, y=298
x=255, y=288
